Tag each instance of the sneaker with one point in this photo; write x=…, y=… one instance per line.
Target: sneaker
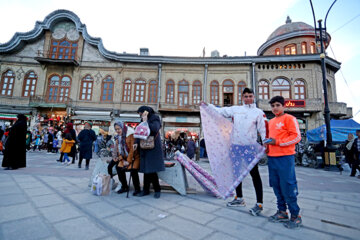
x=68, y=163
x=295, y=222
x=118, y=187
x=256, y=210
x=236, y=203
x=279, y=216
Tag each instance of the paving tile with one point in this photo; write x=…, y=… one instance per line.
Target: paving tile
x=202, y=206
x=220, y=235
x=240, y=215
x=129, y=225
x=159, y=203
x=146, y=212
x=32, y=184
x=47, y=200
x=29, y=228
x=84, y=198
x=102, y=209
x=10, y=190
x=80, y=228
x=193, y=214
x=11, y=199
x=38, y=191
x=160, y=234
x=185, y=228
x=15, y=212
x=239, y=230
x=59, y=212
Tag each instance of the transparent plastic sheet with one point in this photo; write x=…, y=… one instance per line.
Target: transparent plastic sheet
x=142, y=131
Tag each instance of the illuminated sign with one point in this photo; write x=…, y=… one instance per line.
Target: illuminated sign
x=295, y=103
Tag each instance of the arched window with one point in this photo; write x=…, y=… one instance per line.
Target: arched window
x=241, y=87
x=140, y=86
x=281, y=87
x=59, y=88
x=86, y=88
x=214, y=92
x=107, y=89
x=127, y=91
x=299, y=88
x=196, y=92
x=277, y=51
x=303, y=48
x=290, y=49
x=312, y=48
x=170, y=85
x=7, y=83
x=29, y=86
x=153, y=86
x=63, y=49
x=263, y=90
x=183, y=93
x=228, y=92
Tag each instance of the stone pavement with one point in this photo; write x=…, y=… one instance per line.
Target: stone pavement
x=47, y=200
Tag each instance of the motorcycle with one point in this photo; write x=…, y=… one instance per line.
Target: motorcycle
x=309, y=157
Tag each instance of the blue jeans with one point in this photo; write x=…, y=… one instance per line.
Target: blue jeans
x=282, y=179
x=66, y=158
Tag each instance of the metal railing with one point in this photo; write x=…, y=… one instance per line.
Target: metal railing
x=57, y=55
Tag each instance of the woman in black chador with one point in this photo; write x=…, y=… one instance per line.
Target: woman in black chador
x=15, y=147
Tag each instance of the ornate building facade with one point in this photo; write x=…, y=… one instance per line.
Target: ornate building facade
x=58, y=72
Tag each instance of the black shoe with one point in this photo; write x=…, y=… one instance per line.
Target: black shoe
x=8, y=168
x=136, y=192
x=79, y=166
x=86, y=167
x=157, y=195
x=143, y=193
x=122, y=190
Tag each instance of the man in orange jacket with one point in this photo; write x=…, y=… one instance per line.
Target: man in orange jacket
x=284, y=133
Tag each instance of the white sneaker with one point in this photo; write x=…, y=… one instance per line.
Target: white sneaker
x=69, y=163
x=118, y=187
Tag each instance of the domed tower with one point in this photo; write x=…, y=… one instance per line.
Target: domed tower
x=292, y=38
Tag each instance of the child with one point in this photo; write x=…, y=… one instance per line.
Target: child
x=66, y=148
x=37, y=142
x=55, y=145
x=284, y=133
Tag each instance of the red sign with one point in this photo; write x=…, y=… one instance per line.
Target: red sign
x=295, y=103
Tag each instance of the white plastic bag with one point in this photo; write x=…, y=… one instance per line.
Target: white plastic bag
x=96, y=187
x=142, y=131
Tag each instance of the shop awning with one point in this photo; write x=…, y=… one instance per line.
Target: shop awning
x=6, y=116
x=91, y=117
x=92, y=113
x=129, y=117
x=182, y=119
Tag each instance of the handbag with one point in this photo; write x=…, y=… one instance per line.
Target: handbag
x=148, y=143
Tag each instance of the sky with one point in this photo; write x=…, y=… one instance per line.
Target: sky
x=186, y=27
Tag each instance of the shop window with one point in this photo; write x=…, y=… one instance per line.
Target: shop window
x=196, y=92
x=263, y=90
x=63, y=49
x=59, y=88
x=127, y=91
x=153, y=86
x=299, y=89
x=281, y=87
x=87, y=84
x=277, y=51
x=303, y=48
x=140, y=86
x=290, y=49
x=228, y=92
x=183, y=93
x=170, y=89
x=7, y=83
x=214, y=92
x=241, y=87
x=107, y=89
x=312, y=48
x=29, y=86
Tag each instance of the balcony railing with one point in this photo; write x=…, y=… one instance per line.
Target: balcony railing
x=50, y=57
x=163, y=106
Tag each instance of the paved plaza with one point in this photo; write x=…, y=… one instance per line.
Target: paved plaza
x=47, y=200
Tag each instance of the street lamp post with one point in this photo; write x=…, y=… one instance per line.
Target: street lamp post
x=320, y=35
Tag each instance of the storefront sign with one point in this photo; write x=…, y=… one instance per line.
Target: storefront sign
x=295, y=103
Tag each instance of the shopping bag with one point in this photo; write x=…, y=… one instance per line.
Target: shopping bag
x=96, y=187
x=142, y=131
x=106, y=185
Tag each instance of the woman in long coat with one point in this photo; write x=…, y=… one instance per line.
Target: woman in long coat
x=15, y=146
x=151, y=160
x=86, y=137
x=70, y=129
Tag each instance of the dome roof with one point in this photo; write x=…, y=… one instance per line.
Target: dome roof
x=290, y=27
